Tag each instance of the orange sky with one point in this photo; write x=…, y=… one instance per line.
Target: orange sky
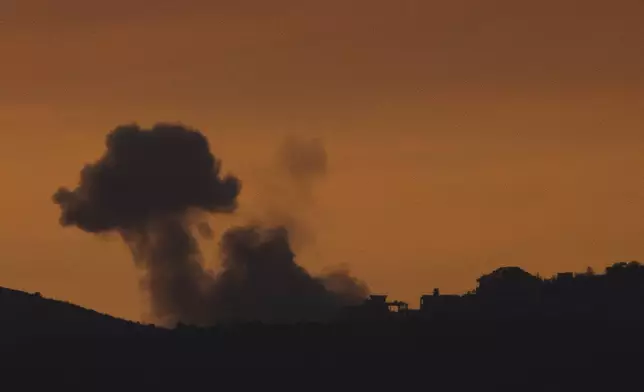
x=462, y=136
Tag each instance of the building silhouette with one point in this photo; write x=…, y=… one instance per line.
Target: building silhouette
x=511, y=292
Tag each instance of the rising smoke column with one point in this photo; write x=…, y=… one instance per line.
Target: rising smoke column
x=147, y=187
x=144, y=187
x=261, y=279
x=305, y=161
x=289, y=183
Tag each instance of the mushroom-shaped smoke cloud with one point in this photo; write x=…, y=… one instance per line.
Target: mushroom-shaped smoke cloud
x=146, y=187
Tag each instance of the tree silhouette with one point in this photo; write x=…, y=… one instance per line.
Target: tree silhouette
x=507, y=281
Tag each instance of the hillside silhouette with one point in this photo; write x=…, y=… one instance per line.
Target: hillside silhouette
x=513, y=322
x=24, y=316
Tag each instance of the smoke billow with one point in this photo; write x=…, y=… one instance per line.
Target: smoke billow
x=148, y=187
x=305, y=161
x=289, y=184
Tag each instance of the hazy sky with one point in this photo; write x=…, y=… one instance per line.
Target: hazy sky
x=462, y=135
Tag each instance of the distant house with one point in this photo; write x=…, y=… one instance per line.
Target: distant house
x=437, y=303
x=565, y=276
x=377, y=300
x=376, y=307
x=379, y=303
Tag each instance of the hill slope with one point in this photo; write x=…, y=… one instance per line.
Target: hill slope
x=60, y=341
x=26, y=315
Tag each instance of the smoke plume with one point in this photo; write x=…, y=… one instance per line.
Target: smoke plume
x=289, y=185
x=305, y=161
x=151, y=184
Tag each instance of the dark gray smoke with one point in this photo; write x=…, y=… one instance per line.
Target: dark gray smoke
x=147, y=186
